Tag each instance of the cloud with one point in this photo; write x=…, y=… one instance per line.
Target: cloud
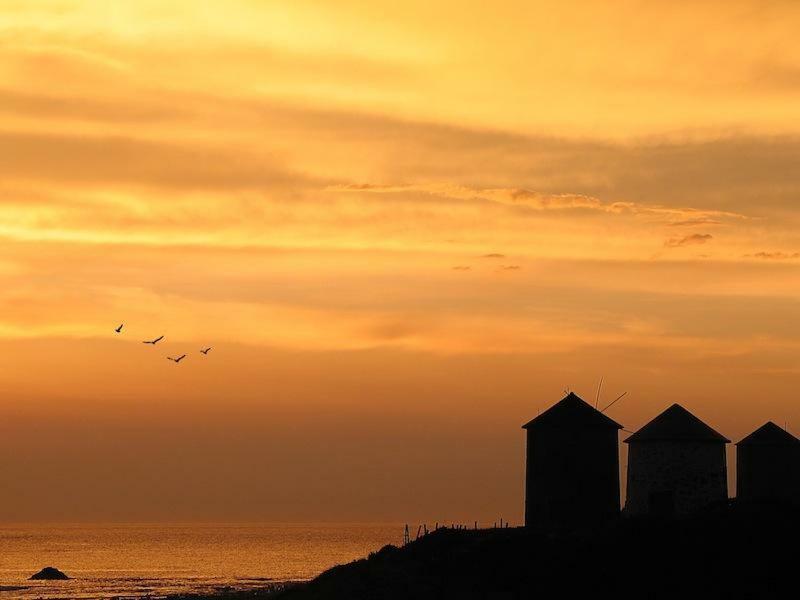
x=462, y=268
x=82, y=159
x=776, y=75
x=494, y=255
x=689, y=240
x=718, y=178
x=774, y=255
x=541, y=201
x=701, y=222
x=510, y=268
x=59, y=106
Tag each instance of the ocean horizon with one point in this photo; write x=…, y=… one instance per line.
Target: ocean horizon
x=137, y=560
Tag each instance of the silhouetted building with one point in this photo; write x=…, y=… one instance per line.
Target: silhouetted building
x=572, y=470
x=676, y=466
x=768, y=465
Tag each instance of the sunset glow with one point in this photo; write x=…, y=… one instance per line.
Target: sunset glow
x=398, y=226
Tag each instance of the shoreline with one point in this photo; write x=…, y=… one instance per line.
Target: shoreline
x=268, y=590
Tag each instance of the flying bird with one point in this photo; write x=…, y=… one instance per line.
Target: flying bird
x=205, y=350
x=119, y=329
x=155, y=341
x=177, y=360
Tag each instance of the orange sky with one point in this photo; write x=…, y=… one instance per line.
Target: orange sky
x=404, y=229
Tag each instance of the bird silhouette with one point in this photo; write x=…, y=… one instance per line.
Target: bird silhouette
x=205, y=350
x=155, y=341
x=119, y=329
x=177, y=360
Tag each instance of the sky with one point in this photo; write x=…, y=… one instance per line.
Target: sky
x=404, y=228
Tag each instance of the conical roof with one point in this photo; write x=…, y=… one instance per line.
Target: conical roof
x=769, y=434
x=570, y=412
x=676, y=424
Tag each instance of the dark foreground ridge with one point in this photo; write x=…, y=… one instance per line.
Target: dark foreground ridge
x=727, y=553
x=732, y=552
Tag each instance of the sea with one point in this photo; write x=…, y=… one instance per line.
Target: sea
x=156, y=560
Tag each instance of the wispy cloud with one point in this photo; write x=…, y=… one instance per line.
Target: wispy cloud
x=689, y=240
x=81, y=159
x=774, y=255
x=701, y=222
x=544, y=201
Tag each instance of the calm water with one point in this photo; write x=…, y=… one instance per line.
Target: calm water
x=154, y=560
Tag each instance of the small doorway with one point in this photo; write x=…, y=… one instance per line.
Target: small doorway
x=662, y=504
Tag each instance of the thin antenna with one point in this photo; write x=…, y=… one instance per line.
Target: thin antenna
x=597, y=398
x=620, y=397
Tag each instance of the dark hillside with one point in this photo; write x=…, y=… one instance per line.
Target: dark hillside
x=728, y=553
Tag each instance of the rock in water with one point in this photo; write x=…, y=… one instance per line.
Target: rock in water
x=50, y=573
